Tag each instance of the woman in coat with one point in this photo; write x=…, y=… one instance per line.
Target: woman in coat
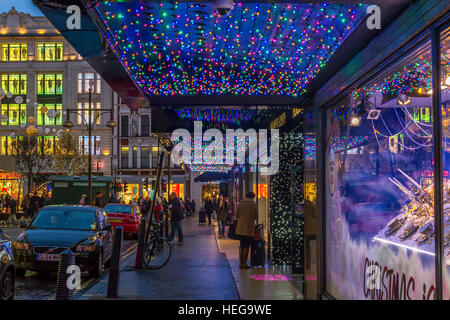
x=222, y=213
x=247, y=218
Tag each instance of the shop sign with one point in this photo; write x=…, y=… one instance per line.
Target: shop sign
x=9, y=176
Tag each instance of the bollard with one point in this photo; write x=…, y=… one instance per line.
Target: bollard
x=141, y=243
x=63, y=292
x=114, y=269
x=166, y=224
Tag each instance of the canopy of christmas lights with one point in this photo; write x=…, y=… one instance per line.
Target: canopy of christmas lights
x=183, y=48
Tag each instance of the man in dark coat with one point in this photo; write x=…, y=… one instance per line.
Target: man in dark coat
x=209, y=207
x=99, y=201
x=176, y=217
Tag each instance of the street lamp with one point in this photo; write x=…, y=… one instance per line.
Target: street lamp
x=90, y=122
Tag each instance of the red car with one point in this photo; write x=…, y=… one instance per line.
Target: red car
x=126, y=215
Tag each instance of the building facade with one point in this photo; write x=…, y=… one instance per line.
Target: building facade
x=45, y=82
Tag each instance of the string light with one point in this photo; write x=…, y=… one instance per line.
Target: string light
x=282, y=226
x=259, y=49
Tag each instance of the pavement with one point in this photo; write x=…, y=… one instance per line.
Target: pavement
x=202, y=268
x=264, y=283
x=196, y=271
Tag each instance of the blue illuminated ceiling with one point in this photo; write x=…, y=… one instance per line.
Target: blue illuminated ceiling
x=185, y=49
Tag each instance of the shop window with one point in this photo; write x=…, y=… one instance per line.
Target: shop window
x=145, y=157
x=14, y=52
x=445, y=98
x=49, y=52
x=16, y=114
x=83, y=142
x=49, y=114
x=124, y=157
x=49, y=84
x=380, y=240
x=15, y=83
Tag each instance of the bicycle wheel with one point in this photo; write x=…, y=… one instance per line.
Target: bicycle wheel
x=157, y=253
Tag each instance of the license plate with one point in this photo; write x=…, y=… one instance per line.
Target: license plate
x=115, y=220
x=48, y=257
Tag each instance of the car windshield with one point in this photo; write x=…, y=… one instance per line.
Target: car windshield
x=65, y=219
x=113, y=208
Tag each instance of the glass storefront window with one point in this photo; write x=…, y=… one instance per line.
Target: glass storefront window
x=14, y=52
x=49, y=52
x=15, y=83
x=379, y=188
x=49, y=84
x=445, y=98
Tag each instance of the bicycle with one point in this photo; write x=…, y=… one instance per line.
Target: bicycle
x=157, y=250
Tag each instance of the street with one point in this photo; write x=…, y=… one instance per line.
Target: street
x=41, y=285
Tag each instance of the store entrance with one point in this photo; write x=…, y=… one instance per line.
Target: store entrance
x=210, y=190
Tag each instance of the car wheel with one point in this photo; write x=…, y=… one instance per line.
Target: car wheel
x=7, y=286
x=20, y=272
x=99, y=267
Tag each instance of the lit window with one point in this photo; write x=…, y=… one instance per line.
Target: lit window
x=49, y=84
x=8, y=145
x=15, y=83
x=83, y=142
x=49, y=52
x=84, y=80
x=44, y=110
x=14, y=52
x=16, y=113
x=47, y=143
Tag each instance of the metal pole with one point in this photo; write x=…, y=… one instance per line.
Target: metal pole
x=437, y=149
x=90, y=146
x=168, y=177
x=158, y=177
x=141, y=242
x=114, y=270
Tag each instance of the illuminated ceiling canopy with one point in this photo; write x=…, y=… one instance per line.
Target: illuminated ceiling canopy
x=185, y=49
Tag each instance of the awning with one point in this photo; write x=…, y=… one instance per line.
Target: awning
x=213, y=176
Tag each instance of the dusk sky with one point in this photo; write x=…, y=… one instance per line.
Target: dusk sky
x=26, y=6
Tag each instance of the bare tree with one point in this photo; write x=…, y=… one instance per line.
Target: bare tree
x=31, y=161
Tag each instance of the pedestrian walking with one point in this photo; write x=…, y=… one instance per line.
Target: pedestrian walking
x=247, y=218
x=84, y=201
x=209, y=207
x=146, y=206
x=222, y=213
x=99, y=201
x=158, y=210
x=176, y=217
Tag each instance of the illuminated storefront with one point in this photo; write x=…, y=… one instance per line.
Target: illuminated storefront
x=11, y=183
x=386, y=198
